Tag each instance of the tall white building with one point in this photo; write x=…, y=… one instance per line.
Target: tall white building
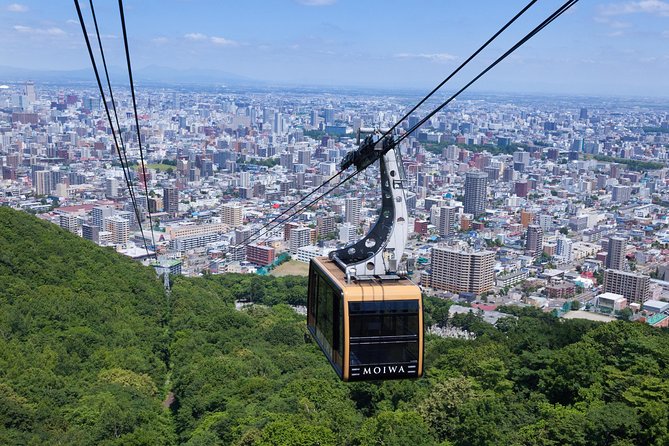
x=232, y=214
x=42, y=182
x=352, y=211
x=446, y=220
x=111, y=187
x=299, y=237
x=347, y=233
x=99, y=213
x=244, y=179
x=69, y=221
x=564, y=248
x=461, y=271
x=119, y=228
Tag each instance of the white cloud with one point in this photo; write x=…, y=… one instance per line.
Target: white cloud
x=103, y=36
x=72, y=22
x=160, y=40
x=39, y=31
x=216, y=40
x=195, y=36
x=655, y=7
x=222, y=41
x=434, y=57
x=615, y=24
x=317, y=2
x=17, y=7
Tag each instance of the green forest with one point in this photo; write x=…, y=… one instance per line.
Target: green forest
x=94, y=352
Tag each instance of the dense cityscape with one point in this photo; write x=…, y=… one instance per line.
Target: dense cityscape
x=552, y=202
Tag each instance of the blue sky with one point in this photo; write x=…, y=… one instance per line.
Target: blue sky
x=598, y=47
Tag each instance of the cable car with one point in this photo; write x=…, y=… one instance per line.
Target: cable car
x=368, y=330
x=362, y=310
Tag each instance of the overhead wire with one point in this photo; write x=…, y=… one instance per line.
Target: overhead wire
x=460, y=67
x=109, y=87
x=389, y=131
x=561, y=10
x=557, y=13
x=109, y=119
x=134, y=107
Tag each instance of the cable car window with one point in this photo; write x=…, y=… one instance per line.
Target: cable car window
x=324, y=314
x=329, y=319
x=311, y=302
x=383, y=352
x=387, y=318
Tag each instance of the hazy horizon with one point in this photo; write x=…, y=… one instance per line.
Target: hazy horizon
x=599, y=48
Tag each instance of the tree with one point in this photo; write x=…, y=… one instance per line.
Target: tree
x=626, y=314
x=441, y=408
x=394, y=429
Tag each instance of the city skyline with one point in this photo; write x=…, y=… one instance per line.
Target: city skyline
x=600, y=48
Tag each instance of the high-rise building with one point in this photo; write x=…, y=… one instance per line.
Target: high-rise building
x=69, y=221
x=232, y=214
x=111, y=187
x=635, y=287
x=286, y=161
x=98, y=215
x=352, y=212
x=90, y=232
x=299, y=237
x=621, y=194
x=278, y=124
x=43, y=182
x=615, y=253
x=461, y=271
x=244, y=179
x=347, y=233
x=236, y=253
x=446, y=220
x=526, y=218
x=564, y=248
x=30, y=94
x=119, y=228
x=287, y=227
x=171, y=200
x=546, y=222
x=522, y=188
x=242, y=235
x=475, y=192
x=521, y=157
x=304, y=157
x=534, y=242
x=325, y=225
x=329, y=115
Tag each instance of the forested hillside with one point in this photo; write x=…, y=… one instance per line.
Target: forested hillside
x=90, y=347
x=83, y=340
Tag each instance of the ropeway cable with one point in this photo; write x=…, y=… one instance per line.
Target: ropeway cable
x=389, y=131
x=111, y=125
x=528, y=36
x=134, y=107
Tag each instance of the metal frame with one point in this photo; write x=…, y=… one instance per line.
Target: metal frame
x=379, y=253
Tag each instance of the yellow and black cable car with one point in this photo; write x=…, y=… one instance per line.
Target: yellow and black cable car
x=362, y=310
x=368, y=330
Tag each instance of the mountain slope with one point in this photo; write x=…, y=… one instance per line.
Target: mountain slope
x=81, y=341
x=85, y=336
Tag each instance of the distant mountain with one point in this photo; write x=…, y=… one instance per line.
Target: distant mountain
x=150, y=74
